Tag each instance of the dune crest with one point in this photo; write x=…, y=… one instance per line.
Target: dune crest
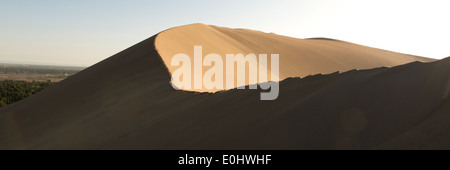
x=298, y=57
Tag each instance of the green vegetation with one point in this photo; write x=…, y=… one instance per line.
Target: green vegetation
x=13, y=91
x=18, y=81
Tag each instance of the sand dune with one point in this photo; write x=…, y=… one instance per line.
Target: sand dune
x=126, y=101
x=298, y=57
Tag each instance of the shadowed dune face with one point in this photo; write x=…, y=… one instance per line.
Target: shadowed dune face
x=298, y=57
x=126, y=102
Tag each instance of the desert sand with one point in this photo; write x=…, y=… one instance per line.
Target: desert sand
x=298, y=57
x=393, y=101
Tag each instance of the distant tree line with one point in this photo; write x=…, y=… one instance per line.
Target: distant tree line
x=12, y=91
x=25, y=70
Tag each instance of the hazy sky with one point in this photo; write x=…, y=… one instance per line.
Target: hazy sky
x=84, y=32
